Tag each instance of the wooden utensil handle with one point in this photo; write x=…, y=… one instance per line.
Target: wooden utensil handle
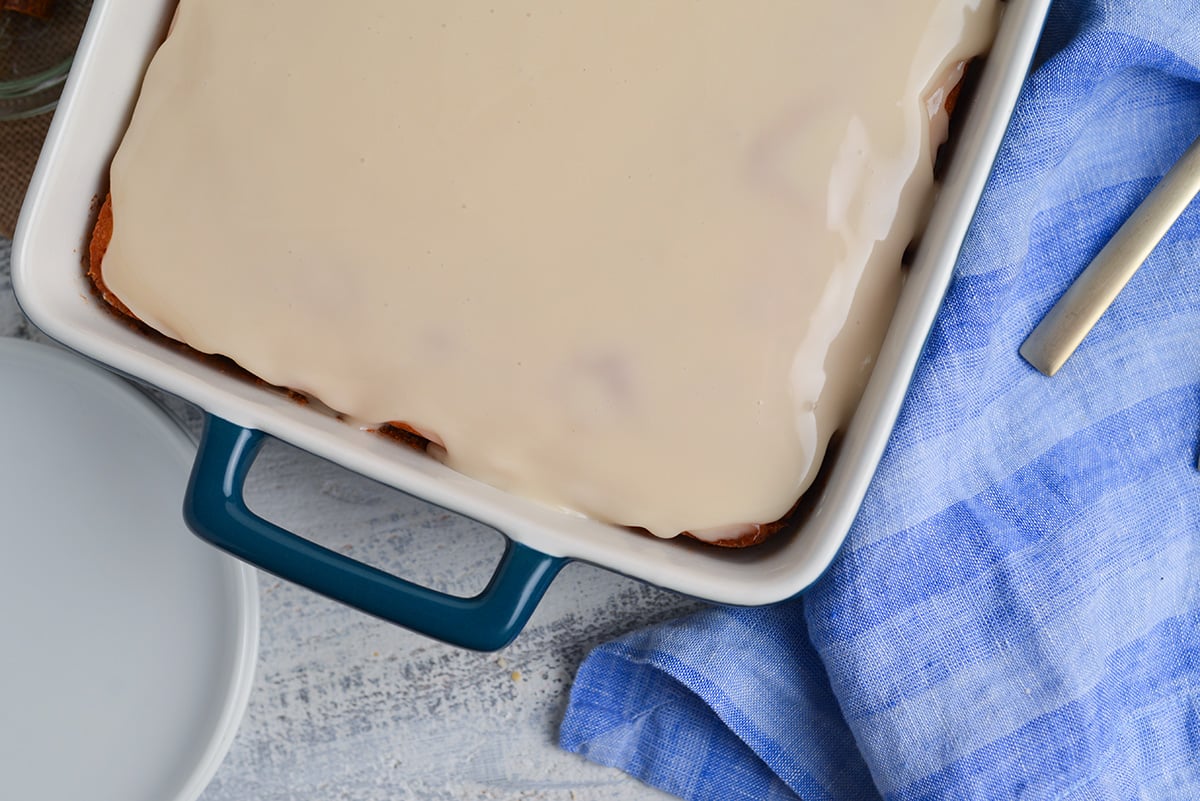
x=1066, y=324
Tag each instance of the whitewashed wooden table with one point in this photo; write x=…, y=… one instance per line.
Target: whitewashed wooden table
x=347, y=707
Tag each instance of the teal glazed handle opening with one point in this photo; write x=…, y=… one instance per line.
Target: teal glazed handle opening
x=215, y=509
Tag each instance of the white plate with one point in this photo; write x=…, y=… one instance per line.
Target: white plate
x=127, y=646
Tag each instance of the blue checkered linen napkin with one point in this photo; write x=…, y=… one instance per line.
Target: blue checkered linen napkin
x=1016, y=612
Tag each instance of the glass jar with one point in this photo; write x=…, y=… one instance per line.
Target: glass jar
x=35, y=57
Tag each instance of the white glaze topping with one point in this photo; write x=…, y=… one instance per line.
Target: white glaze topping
x=630, y=258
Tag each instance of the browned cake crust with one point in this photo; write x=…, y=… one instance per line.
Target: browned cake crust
x=97, y=247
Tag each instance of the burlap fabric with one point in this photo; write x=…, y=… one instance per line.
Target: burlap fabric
x=20, y=142
x=29, y=46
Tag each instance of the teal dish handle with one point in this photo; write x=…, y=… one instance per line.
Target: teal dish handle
x=215, y=509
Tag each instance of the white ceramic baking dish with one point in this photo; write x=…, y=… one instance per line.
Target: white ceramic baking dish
x=50, y=242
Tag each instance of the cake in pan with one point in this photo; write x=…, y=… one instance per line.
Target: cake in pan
x=629, y=259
